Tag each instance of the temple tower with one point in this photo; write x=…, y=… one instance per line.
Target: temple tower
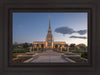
x=49, y=38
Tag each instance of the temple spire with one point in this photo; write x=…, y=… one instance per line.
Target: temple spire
x=49, y=23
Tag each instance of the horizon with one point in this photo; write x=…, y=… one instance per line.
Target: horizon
x=30, y=27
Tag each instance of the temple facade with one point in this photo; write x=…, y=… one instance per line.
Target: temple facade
x=49, y=41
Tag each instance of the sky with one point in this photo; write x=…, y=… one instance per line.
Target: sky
x=70, y=27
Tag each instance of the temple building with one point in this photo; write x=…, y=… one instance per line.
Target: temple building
x=49, y=41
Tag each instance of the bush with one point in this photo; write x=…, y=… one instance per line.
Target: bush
x=84, y=55
x=15, y=54
x=35, y=49
x=20, y=51
x=78, y=51
x=64, y=49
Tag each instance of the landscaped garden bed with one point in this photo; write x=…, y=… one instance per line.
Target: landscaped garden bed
x=16, y=54
x=20, y=60
x=78, y=59
x=20, y=51
x=21, y=57
x=77, y=51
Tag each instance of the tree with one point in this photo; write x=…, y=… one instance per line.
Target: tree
x=72, y=46
x=66, y=45
x=42, y=45
x=15, y=44
x=56, y=46
x=82, y=46
x=31, y=45
x=25, y=45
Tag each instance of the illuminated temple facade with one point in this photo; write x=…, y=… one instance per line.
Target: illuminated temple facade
x=49, y=41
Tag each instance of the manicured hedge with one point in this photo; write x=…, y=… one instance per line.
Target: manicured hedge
x=20, y=51
x=78, y=51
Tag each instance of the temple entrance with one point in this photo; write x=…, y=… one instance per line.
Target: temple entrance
x=49, y=47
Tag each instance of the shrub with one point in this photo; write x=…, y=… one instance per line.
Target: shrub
x=64, y=49
x=15, y=54
x=78, y=51
x=20, y=51
x=84, y=55
x=35, y=49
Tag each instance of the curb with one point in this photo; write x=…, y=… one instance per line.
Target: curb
x=33, y=57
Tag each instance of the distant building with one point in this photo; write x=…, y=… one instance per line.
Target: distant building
x=49, y=42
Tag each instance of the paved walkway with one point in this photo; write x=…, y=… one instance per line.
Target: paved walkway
x=49, y=56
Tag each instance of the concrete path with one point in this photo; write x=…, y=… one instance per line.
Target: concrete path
x=49, y=56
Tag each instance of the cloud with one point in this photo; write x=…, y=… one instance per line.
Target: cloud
x=64, y=30
x=67, y=30
x=78, y=37
x=82, y=32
